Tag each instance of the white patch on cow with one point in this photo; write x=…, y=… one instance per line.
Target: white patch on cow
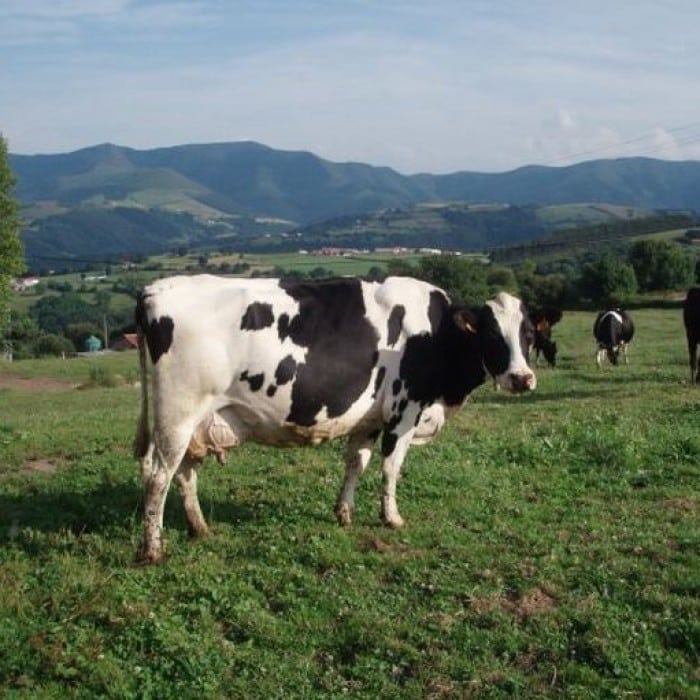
x=507, y=311
x=614, y=314
x=431, y=422
x=413, y=295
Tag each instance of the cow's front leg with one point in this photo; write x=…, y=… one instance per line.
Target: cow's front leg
x=395, y=442
x=186, y=480
x=357, y=456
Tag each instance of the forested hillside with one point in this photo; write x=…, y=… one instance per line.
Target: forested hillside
x=109, y=200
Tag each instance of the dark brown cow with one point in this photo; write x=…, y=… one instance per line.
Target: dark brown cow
x=543, y=320
x=691, y=320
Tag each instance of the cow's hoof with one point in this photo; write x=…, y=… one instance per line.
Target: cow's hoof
x=344, y=515
x=149, y=557
x=197, y=533
x=394, y=521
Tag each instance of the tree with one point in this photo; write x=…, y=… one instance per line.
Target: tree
x=52, y=344
x=23, y=333
x=11, y=254
x=54, y=313
x=608, y=280
x=463, y=279
x=660, y=265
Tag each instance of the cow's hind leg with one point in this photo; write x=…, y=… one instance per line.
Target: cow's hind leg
x=186, y=480
x=166, y=458
x=357, y=456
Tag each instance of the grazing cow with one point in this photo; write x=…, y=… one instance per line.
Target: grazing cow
x=691, y=321
x=287, y=363
x=543, y=320
x=613, y=330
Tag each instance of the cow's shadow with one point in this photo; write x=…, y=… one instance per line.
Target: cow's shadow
x=37, y=520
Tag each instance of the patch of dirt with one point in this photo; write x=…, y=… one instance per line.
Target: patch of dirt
x=374, y=544
x=684, y=504
x=532, y=602
x=8, y=381
x=38, y=466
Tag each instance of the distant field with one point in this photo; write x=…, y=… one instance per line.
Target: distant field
x=356, y=264
x=552, y=547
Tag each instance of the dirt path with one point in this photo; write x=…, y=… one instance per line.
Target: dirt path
x=8, y=381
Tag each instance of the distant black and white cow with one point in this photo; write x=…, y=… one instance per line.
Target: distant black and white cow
x=613, y=330
x=543, y=320
x=288, y=363
x=691, y=321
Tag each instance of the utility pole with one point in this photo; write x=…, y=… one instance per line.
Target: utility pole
x=6, y=333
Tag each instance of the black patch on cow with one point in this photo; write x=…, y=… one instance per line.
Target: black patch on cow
x=285, y=370
x=271, y=390
x=448, y=363
x=436, y=310
x=283, y=326
x=159, y=332
x=379, y=379
x=389, y=437
x=527, y=332
x=396, y=387
x=341, y=347
x=257, y=316
x=395, y=323
x=389, y=441
x=255, y=381
x=421, y=369
x=402, y=405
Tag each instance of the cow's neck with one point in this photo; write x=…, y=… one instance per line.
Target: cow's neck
x=463, y=362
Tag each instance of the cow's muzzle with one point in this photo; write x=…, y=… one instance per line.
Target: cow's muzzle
x=519, y=382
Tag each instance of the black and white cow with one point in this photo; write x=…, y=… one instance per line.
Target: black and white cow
x=613, y=330
x=691, y=321
x=543, y=320
x=288, y=363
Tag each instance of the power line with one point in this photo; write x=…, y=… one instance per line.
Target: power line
x=686, y=140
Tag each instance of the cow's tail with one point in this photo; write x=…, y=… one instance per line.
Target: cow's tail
x=143, y=429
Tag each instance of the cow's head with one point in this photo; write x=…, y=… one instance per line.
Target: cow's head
x=613, y=353
x=507, y=335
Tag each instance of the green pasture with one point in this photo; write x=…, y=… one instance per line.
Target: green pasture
x=552, y=547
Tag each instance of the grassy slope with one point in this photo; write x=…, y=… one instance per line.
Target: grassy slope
x=552, y=549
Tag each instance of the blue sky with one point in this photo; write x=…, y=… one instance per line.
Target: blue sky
x=417, y=85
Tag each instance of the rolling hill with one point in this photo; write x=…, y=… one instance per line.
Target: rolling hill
x=111, y=200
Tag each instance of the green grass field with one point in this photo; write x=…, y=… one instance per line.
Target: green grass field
x=552, y=547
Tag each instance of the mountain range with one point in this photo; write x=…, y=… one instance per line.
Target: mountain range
x=110, y=200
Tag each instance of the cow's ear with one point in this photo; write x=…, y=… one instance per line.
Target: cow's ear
x=466, y=320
